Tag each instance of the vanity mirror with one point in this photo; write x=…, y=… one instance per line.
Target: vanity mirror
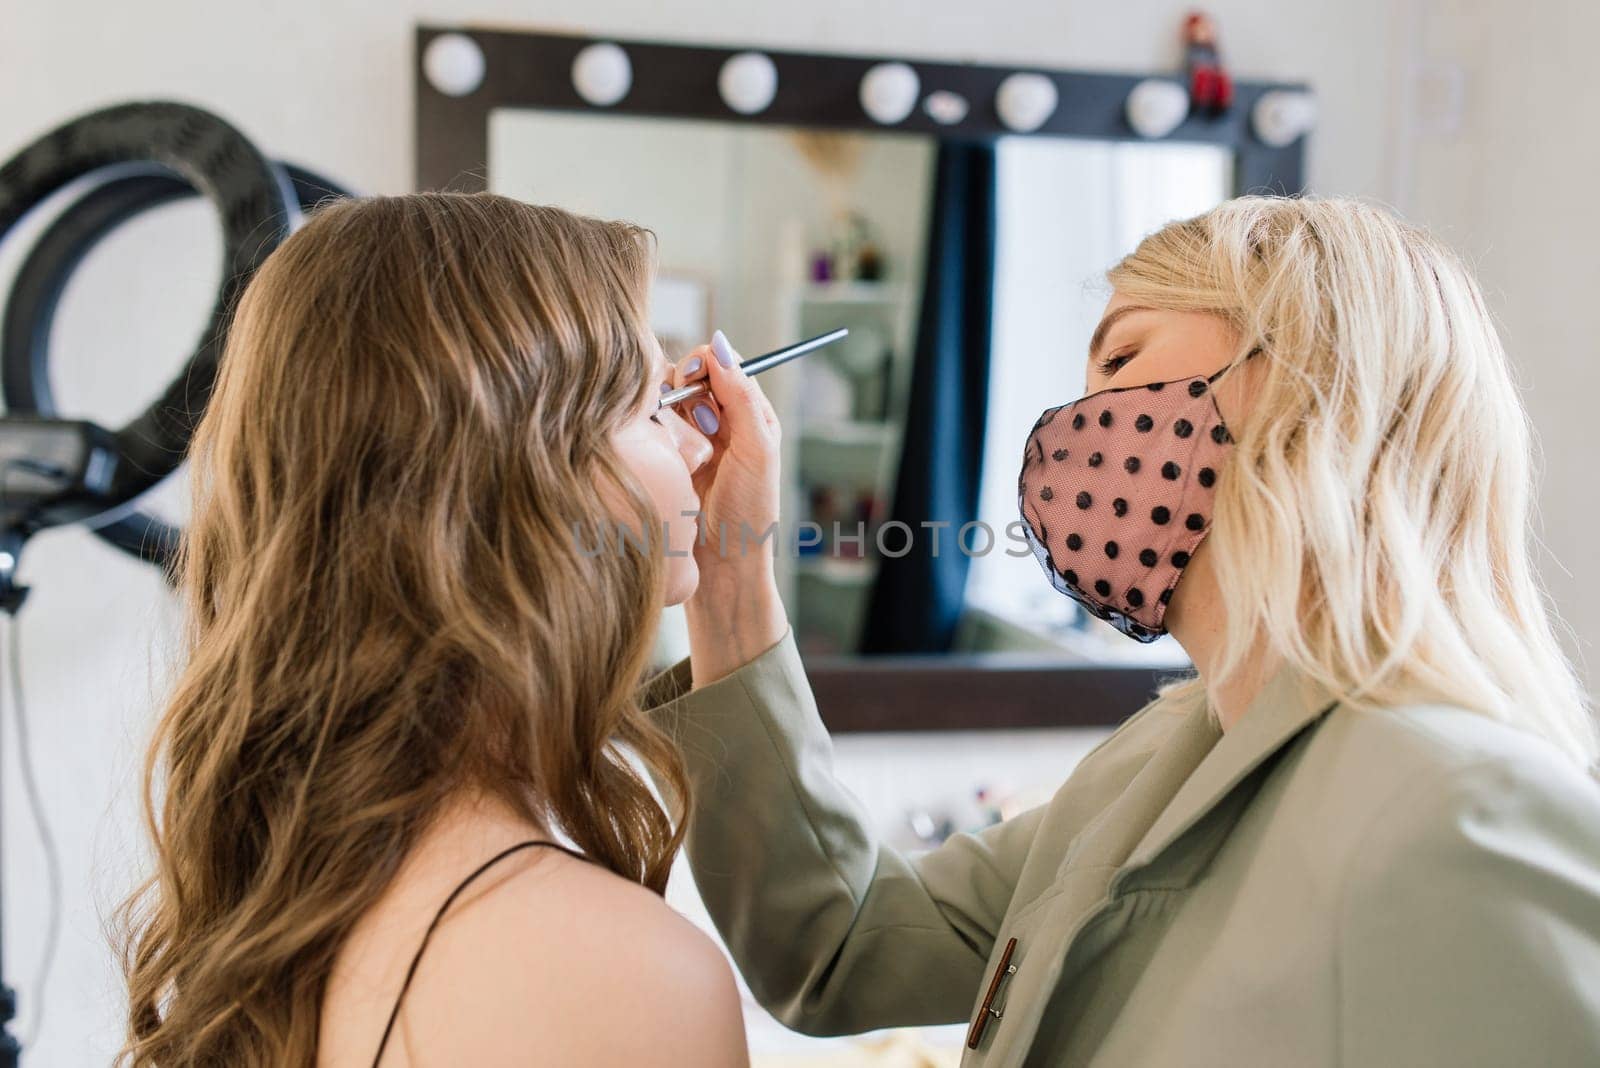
x=956, y=218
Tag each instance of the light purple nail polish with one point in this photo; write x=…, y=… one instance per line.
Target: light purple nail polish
x=665, y=386
x=705, y=418
x=692, y=366
x=724, y=351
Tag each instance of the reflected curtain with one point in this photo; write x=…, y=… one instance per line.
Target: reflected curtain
x=916, y=598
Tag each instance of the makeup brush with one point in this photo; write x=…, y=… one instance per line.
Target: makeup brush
x=758, y=364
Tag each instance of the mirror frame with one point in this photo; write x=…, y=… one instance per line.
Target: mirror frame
x=533, y=71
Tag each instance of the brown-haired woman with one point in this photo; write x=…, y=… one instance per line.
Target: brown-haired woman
x=407, y=671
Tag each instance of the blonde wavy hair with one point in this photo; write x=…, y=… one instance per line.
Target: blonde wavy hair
x=387, y=602
x=1374, y=525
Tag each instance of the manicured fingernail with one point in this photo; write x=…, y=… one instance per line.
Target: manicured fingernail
x=692, y=366
x=665, y=386
x=705, y=418
x=724, y=351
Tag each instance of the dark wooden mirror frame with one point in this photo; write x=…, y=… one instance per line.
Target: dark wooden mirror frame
x=529, y=70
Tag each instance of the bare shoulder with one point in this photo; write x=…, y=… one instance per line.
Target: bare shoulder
x=563, y=962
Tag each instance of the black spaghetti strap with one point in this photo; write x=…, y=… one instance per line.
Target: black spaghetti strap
x=394, y=1014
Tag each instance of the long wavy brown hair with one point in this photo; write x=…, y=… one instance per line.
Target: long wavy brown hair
x=388, y=602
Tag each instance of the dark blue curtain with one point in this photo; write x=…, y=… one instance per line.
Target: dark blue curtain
x=916, y=598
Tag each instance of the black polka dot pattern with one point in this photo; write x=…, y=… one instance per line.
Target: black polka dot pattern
x=1098, y=498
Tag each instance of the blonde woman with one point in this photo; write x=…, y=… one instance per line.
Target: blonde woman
x=408, y=676
x=1366, y=833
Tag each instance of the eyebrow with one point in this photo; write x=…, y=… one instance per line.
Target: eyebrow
x=1108, y=322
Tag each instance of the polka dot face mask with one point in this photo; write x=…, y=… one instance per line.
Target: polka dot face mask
x=1116, y=491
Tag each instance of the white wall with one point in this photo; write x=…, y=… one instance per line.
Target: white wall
x=329, y=83
x=1499, y=157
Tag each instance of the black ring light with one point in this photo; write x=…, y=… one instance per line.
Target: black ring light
x=126, y=191
x=226, y=168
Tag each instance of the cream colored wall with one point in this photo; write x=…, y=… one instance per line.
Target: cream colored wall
x=329, y=83
x=1499, y=155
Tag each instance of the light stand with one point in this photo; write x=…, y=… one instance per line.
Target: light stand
x=52, y=471
x=11, y=598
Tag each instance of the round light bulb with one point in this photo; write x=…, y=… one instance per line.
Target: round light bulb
x=1156, y=107
x=1281, y=115
x=748, y=82
x=453, y=64
x=1026, y=101
x=889, y=92
x=602, y=74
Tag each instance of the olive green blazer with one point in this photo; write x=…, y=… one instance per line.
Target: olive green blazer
x=1318, y=885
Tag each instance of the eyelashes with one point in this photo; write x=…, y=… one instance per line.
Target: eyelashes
x=1112, y=364
x=655, y=416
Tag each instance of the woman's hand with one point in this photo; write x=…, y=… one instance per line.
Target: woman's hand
x=735, y=612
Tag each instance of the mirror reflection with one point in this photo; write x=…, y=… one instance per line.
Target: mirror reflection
x=775, y=233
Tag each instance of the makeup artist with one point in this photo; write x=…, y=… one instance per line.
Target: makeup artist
x=1366, y=832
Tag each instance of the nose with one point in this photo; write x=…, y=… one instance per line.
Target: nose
x=692, y=445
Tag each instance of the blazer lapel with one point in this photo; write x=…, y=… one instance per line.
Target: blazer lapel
x=1285, y=706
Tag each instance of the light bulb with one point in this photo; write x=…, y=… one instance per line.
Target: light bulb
x=1156, y=107
x=748, y=82
x=602, y=74
x=889, y=92
x=1281, y=115
x=945, y=108
x=1026, y=101
x=453, y=64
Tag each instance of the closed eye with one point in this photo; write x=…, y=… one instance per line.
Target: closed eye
x=1112, y=364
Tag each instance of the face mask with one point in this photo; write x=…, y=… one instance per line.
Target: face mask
x=1116, y=491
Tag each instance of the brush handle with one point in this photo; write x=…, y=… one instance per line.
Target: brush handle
x=764, y=362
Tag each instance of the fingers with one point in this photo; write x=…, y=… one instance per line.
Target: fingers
x=768, y=415
x=692, y=366
x=703, y=411
x=744, y=407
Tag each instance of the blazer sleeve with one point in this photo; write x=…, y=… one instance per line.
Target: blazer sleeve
x=834, y=931
x=1470, y=926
